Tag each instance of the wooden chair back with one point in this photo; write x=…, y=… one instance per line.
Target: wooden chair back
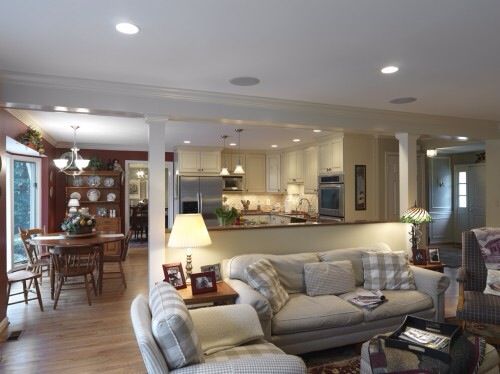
x=126, y=243
x=74, y=261
x=32, y=252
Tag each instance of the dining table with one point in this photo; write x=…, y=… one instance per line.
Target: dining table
x=99, y=240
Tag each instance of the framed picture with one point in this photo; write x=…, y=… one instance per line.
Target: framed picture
x=174, y=275
x=214, y=267
x=434, y=256
x=134, y=189
x=420, y=257
x=203, y=282
x=360, y=187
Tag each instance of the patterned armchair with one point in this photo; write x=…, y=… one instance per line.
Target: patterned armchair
x=473, y=304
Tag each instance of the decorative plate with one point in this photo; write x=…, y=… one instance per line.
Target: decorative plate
x=77, y=181
x=94, y=181
x=102, y=212
x=111, y=196
x=75, y=195
x=109, y=182
x=93, y=194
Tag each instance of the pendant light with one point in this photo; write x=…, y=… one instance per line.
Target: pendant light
x=239, y=169
x=224, y=170
x=76, y=164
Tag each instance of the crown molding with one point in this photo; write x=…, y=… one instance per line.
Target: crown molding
x=29, y=121
x=105, y=147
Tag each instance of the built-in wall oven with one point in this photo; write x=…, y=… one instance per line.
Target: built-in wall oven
x=331, y=195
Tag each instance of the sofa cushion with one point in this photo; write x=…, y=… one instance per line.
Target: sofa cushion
x=329, y=278
x=349, y=254
x=398, y=303
x=173, y=328
x=290, y=268
x=262, y=276
x=306, y=313
x=389, y=271
x=254, y=350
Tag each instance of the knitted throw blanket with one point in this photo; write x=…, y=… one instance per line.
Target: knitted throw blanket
x=489, y=242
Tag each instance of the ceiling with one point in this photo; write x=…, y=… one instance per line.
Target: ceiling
x=324, y=51
x=109, y=132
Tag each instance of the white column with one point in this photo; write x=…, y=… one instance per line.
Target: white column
x=407, y=170
x=492, y=183
x=156, y=204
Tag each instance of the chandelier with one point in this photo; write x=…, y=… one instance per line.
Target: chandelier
x=72, y=163
x=239, y=168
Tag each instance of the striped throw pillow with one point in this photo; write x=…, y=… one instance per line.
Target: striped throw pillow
x=329, y=278
x=387, y=271
x=262, y=276
x=173, y=328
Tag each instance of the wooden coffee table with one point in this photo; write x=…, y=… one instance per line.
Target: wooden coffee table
x=224, y=295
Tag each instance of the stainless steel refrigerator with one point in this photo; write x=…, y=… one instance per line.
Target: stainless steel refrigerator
x=201, y=195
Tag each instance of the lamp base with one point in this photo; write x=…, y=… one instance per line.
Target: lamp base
x=189, y=267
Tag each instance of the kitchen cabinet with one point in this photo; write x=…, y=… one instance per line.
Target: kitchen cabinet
x=273, y=173
x=295, y=166
x=330, y=156
x=199, y=162
x=311, y=170
x=255, y=172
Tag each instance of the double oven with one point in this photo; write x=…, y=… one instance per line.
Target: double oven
x=331, y=196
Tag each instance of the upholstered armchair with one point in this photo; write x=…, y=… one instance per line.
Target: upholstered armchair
x=223, y=339
x=473, y=304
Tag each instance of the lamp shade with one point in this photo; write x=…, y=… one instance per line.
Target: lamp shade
x=189, y=231
x=239, y=169
x=416, y=216
x=73, y=203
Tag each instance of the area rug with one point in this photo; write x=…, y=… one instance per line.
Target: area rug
x=349, y=366
x=451, y=256
x=339, y=360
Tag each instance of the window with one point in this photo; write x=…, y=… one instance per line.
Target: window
x=462, y=189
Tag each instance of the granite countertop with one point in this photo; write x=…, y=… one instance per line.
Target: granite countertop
x=318, y=223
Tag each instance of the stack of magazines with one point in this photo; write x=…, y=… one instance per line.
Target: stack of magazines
x=426, y=338
x=368, y=299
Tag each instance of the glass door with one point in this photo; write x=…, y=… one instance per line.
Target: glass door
x=23, y=196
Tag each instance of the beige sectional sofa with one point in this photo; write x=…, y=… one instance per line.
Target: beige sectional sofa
x=307, y=324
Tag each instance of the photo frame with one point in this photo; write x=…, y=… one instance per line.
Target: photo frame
x=420, y=257
x=174, y=275
x=215, y=268
x=360, y=187
x=203, y=282
x=434, y=256
x=134, y=189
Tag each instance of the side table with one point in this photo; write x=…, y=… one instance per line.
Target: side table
x=435, y=267
x=224, y=295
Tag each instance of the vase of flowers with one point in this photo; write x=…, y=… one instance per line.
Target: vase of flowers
x=78, y=224
x=226, y=216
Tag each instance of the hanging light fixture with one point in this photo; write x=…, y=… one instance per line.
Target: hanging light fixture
x=224, y=170
x=239, y=169
x=76, y=164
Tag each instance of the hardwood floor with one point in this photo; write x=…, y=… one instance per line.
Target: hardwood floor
x=77, y=338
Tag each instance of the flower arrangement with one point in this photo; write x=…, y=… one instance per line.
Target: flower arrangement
x=226, y=215
x=78, y=223
x=32, y=138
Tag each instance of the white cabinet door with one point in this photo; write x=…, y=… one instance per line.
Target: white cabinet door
x=189, y=161
x=209, y=161
x=325, y=157
x=255, y=173
x=295, y=166
x=284, y=172
x=299, y=166
x=311, y=170
x=273, y=173
x=338, y=153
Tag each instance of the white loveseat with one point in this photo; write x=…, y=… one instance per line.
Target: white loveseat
x=307, y=324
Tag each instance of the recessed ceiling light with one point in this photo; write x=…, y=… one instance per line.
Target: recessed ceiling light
x=82, y=110
x=432, y=152
x=187, y=141
x=317, y=130
x=244, y=81
x=296, y=140
x=233, y=144
x=389, y=69
x=61, y=108
x=462, y=138
x=274, y=146
x=127, y=28
x=403, y=100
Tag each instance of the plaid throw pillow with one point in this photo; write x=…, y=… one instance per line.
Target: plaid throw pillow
x=262, y=276
x=329, y=278
x=387, y=271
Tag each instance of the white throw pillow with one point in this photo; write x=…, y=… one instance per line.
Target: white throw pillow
x=262, y=276
x=493, y=282
x=387, y=271
x=329, y=278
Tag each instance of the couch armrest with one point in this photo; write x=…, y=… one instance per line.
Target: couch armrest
x=433, y=284
x=247, y=295
x=227, y=326
x=265, y=364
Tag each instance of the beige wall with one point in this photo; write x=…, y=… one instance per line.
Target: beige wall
x=226, y=244
x=492, y=183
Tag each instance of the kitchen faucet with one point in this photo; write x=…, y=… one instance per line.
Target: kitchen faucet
x=309, y=207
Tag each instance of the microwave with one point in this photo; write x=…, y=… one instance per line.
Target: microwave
x=232, y=183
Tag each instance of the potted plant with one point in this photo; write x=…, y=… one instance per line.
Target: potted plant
x=226, y=215
x=78, y=223
x=32, y=138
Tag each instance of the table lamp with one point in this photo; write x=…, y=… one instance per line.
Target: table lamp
x=189, y=231
x=73, y=204
x=416, y=216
